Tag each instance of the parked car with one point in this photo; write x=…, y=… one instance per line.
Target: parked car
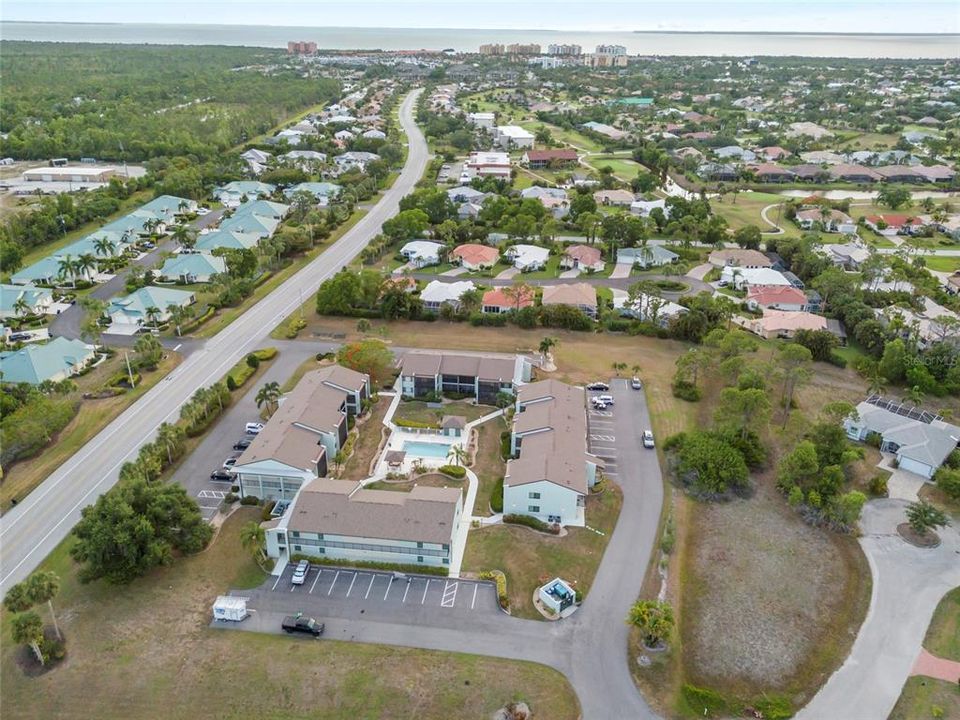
x=602, y=386
x=202, y=211
x=242, y=444
x=636, y=384
x=17, y=337
x=599, y=404
x=608, y=399
x=648, y=439
x=292, y=624
x=230, y=462
x=254, y=428
x=221, y=475
x=300, y=573
x=148, y=245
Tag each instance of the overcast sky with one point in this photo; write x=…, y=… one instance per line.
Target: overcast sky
x=854, y=16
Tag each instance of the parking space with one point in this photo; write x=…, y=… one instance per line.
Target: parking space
x=602, y=436
x=345, y=593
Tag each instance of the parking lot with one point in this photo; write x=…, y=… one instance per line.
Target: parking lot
x=331, y=592
x=602, y=435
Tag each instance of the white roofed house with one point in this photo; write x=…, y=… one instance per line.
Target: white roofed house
x=649, y=308
x=829, y=219
x=553, y=199
x=647, y=256
x=921, y=440
x=551, y=471
x=643, y=208
x=421, y=253
x=496, y=164
x=849, y=256
x=256, y=160
x=527, y=258
x=354, y=160
x=437, y=294
x=743, y=277
x=145, y=307
x=513, y=136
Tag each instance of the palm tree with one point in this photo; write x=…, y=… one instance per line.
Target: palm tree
x=185, y=236
x=104, y=246
x=253, y=539
x=21, y=308
x=67, y=268
x=168, y=436
x=269, y=394
x=547, y=344
x=179, y=313
x=43, y=588
x=876, y=383
x=27, y=629
x=153, y=316
x=458, y=454
x=518, y=293
x=916, y=395
x=151, y=225
x=618, y=367
x=636, y=370
x=86, y=263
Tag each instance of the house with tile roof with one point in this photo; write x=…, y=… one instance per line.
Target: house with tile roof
x=230, y=239
x=197, y=267
x=21, y=300
x=647, y=256
x=498, y=301
x=582, y=296
x=776, y=297
x=56, y=360
x=474, y=256
x=128, y=314
x=582, y=257
x=438, y=293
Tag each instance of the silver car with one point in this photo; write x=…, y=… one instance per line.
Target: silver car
x=300, y=573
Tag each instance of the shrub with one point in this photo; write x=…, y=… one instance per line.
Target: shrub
x=396, y=567
x=774, y=707
x=706, y=702
x=454, y=471
x=505, y=445
x=501, y=581
x=294, y=327
x=840, y=362
x=532, y=522
x=685, y=390
x=874, y=439
x=230, y=498
x=231, y=383
x=265, y=353
x=253, y=361
x=496, y=499
x=402, y=422
x=267, y=509
x=878, y=486
x=948, y=480
x=249, y=500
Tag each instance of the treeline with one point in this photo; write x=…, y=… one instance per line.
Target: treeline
x=117, y=102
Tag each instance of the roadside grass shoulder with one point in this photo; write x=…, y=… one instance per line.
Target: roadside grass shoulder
x=924, y=698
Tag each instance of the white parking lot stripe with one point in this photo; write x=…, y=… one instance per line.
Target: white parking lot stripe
x=605, y=438
x=370, y=586
x=335, y=578
x=389, y=585
x=409, y=583
x=474, y=601
x=350, y=589
x=276, y=583
x=319, y=573
x=449, y=593
x=425, y=588
x=212, y=494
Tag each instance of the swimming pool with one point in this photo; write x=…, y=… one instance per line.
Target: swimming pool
x=426, y=449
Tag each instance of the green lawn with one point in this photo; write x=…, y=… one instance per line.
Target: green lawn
x=623, y=168
x=745, y=208
x=562, y=135
x=144, y=651
x=551, y=270
x=530, y=558
x=487, y=464
x=943, y=264
x=943, y=635
x=924, y=698
x=418, y=411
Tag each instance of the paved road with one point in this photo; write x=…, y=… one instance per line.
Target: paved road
x=67, y=324
x=589, y=648
x=34, y=527
x=908, y=583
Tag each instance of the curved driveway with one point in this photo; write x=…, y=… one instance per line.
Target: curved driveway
x=29, y=531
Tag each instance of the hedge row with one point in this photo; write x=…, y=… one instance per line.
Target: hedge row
x=400, y=422
x=454, y=471
x=501, y=581
x=395, y=567
x=532, y=522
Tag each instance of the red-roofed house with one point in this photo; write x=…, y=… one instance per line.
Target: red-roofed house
x=475, y=257
x=498, y=301
x=776, y=297
x=538, y=159
x=893, y=224
x=582, y=257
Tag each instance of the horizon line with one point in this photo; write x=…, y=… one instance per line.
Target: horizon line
x=533, y=31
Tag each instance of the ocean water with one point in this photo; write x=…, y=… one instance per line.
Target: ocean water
x=646, y=43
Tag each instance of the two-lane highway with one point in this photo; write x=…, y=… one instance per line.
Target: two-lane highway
x=29, y=531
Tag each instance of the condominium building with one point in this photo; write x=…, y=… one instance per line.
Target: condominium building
x=554, y=49
x=301, y=47
x=481, y=377
x=492, y=49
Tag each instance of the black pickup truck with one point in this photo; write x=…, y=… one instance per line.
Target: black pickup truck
x=292, y=624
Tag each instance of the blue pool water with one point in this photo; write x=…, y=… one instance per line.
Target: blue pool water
x=426, y=449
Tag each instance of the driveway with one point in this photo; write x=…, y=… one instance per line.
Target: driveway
x=908, y=584
x=508, y=274
x=622, y=270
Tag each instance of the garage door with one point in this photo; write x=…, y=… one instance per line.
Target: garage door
x=915, y=466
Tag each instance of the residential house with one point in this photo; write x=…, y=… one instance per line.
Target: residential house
x=230, y=239
x=497, y=301
x=785, y=324
x=736, y=153
x=822, y=157
x=22, y=300
x=647, y=256
x=482, y=119
x=306, y=160
x=128, y=314
x=582, y=257
x=890, y=224
x=355, y=385
x=421, y=253
x=774, y=153
x=743, y=277
x=540, y=159
x=323, y=192
x=720, y=172
x=605, y=130
x=551, y=471
x=46, y=271
x=921, y=440
x=354, y=160
x=772, y=173
x=849, y=256
x=188, y=268
x=649, y=308
x=900, y=174
x=579, y=295
x=827, y=219
x=808, y=129
x=553, y=199
x=300, y=440
x=777, y=297
x=170, y=207
x=438, y=293
x=341, y=520
x=56, y=360
x=616, y=198
x=854, y=173
x=643, y=208
x=474, y=256
x=527, y=258
x=465, y=193
x=234, y=193
x=482, y=377
x=483, y=164
x=742, y=258
x=810, y=173
x=936, y=173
